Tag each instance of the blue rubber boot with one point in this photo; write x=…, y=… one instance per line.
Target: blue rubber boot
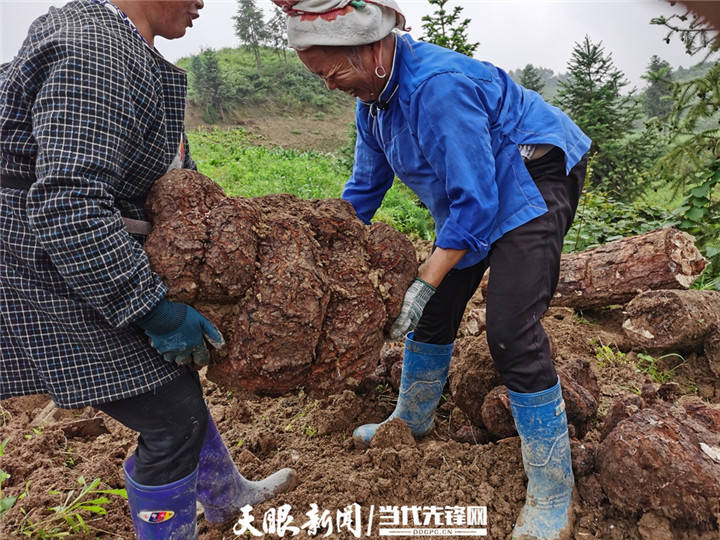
x=222, y=490
x=424, y=372
x=164, y=512
x=542, y=424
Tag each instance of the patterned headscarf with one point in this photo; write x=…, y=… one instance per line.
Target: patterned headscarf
x=339, y=22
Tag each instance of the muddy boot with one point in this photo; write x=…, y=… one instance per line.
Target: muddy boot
x=164, y=512
x=542, y=424
x=424, y=371
x=222, y=490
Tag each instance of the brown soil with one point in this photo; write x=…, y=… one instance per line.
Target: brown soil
x=322, y=131
x=314, y=437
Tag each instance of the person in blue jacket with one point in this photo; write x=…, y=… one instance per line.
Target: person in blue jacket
x=90, y=116
x=501, y=172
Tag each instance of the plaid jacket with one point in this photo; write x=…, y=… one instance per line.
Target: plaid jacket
x=92, y=115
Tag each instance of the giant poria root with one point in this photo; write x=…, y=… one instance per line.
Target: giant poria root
x=302, y=290
x=661, y=454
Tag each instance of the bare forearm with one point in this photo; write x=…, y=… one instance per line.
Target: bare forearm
x=439, y=264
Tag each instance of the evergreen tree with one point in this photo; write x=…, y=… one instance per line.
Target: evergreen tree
x=657, y=96
x=209, y=88
x=692, y=164
x=446, y=29
x=592, y=96
x=277, y=32
x=250, y=27
x=530, y=78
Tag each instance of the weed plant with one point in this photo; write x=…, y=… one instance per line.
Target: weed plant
x=75, y=514
x=609, y=356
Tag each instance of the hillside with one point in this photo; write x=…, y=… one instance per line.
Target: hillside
x=280, y=101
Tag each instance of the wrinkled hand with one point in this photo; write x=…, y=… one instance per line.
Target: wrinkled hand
x=416, y=297
x=178, y=332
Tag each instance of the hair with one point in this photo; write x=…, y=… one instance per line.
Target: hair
x=354, y=55
x=354, y=52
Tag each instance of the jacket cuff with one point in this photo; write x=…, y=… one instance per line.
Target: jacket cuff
x=453, y=236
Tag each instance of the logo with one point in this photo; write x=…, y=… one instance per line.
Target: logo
x=155, y=516
x=387, y=520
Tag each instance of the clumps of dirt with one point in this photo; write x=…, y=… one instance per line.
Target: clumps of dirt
x=48, y=460
x=472, y=376
x=301, y=290
x=496, y=413
x=476, y=390
x=339, y=411
x=393, y=434
x=314, y=436
x=324, y=131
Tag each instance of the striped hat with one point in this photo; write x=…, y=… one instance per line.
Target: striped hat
x=339, y=22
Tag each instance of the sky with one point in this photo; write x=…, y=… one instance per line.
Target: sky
x=512, y=33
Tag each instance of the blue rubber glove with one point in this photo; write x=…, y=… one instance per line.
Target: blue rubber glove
x=416, y=297
x=178, y=332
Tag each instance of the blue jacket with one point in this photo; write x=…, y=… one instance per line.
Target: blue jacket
x=448, y=126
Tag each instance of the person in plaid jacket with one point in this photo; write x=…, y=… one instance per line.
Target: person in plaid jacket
x=90, y=116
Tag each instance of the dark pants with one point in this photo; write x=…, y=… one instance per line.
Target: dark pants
x=171, y=421
x=525, y=266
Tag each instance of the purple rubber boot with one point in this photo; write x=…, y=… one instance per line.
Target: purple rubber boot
x=164, y=512
x=222, y=490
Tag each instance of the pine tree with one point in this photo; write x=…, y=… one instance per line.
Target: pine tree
x=692, y=163
x=530, y=78
x=592, y=96
x=446, y=29
x=250, y=27
x=209, y=88
x=657, y=96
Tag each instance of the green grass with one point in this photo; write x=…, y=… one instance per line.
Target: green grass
x=242, y=167
x=601, y=219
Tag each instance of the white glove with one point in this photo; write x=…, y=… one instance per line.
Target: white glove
x=416, y=297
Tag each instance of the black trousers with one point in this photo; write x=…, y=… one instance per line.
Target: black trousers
x=171, y=421
x=525, y=266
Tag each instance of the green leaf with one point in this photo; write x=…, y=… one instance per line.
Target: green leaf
x=6, y=503
x=94, y=509
x=83, y=525
x=696, y=214
x=120, y=492
x=711, y=251
x=701, y=192
x=99, y=500
x=70, y=521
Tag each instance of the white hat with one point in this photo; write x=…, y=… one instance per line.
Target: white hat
x=339, y=22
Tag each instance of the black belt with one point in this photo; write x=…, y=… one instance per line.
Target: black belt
x=15, y=182
x=134, y=226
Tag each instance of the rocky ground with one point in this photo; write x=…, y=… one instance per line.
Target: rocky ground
x=47, y=449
